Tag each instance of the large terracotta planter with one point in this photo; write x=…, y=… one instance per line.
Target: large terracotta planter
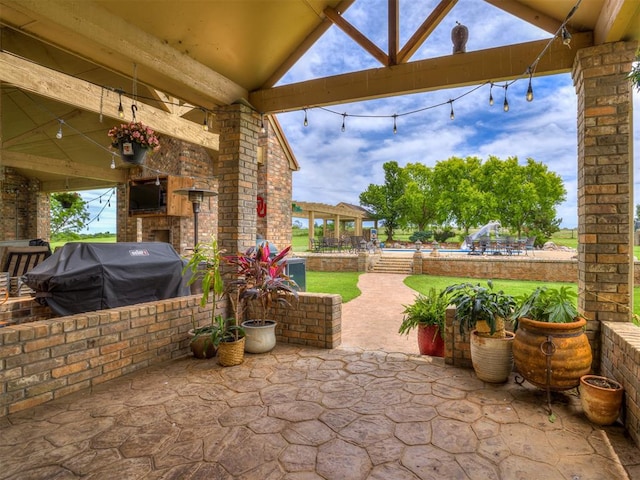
x=259, y=338
x=430, y=342
x=563, y=347
x=601, y=399
x=492, y=357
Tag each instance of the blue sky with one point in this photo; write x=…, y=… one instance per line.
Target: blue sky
x=337, y=166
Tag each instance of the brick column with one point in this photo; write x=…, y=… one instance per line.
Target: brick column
x=237, y=171
x=605, y=184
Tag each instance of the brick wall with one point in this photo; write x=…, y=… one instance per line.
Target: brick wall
x=20, y=206
x=47, y=359
x=621, y=361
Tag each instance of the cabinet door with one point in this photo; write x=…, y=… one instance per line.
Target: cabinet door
x=178, y=205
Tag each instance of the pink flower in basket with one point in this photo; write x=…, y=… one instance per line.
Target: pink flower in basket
x=134, y=132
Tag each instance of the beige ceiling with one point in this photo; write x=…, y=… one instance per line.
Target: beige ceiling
x=208, y=53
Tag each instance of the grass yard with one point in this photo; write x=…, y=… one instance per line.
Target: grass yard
x=342, y=283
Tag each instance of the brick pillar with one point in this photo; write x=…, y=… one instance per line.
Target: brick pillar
x=237, y=171
x=605, y=184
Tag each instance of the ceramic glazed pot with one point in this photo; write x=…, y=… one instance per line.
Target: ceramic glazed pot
x=564, y=347
x=259, y=338
x=492, y=357
x=430, y=342
x=601, y=399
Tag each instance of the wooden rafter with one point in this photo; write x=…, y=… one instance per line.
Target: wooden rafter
x=394, y=31
x=357, y=36
x=528, y=14
x=89, y=97
x=305, y=45
x=61, y=167
x=614, y=19
x=428, y=26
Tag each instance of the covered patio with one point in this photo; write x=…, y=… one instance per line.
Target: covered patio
x=204, y=78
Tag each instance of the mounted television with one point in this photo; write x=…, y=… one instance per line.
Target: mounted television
x=146, y=198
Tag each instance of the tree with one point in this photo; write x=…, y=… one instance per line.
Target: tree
x=69, y=213
x=420, y=196
x=460, y=197
x=383, y=201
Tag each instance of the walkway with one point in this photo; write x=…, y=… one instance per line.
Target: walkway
x=309, y=414
x=371, y=320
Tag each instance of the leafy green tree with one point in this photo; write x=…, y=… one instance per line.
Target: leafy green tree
x=69, y=213
x=420, y=196
x=383, y=201
x=460, y=197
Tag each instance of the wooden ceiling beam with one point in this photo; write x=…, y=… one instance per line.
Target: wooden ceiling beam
x=614, y=19
x=528, y=14
x=92, y=98
x=111, y=41
x=394, y=31
x=64, y=168
x=74, y=185
x=304, y=46
x=452, y=71
x=357, y=36
x=423, y=32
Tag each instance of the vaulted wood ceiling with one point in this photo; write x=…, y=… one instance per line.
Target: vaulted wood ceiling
x=69, y=59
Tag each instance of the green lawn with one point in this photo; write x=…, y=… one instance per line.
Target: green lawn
x=343, y=283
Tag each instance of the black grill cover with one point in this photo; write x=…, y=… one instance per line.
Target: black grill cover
x=84, y=277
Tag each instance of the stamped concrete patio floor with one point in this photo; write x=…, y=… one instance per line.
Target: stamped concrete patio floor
x=310, y=414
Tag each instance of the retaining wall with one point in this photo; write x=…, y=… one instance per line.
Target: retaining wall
x=47, y=359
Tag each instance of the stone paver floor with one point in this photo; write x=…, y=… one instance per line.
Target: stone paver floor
x=310, y=414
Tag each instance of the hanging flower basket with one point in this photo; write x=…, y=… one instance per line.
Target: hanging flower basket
x=133, y=140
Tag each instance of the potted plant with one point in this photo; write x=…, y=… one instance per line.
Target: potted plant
x=427, y=315
x=134, y=140
x=66, y=199
x=225, y=336
x=482, y=311
x=261, y=277
x=551, y=349
x=601, y=398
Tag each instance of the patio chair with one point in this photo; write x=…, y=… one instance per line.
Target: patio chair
x=529, y=246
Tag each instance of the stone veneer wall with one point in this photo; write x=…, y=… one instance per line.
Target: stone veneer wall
x=620, y=344
x=47, y=359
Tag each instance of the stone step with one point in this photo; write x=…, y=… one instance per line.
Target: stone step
x=393, y=265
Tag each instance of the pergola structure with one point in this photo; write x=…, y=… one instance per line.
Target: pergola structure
x=338, y=214
x=216, y=62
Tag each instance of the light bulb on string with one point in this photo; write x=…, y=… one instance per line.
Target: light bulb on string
x=452, y=115
x=120, y=109
x=157, y=181
x=395, y=124
x=306, y=120
x=109, y=203
x=566, y=37
x=262, y=127
x=491, y=95
x=113, y=161
x=344, y=116
x=529, y=91
x=59, y=132
x=505, y=105
x=205, y=124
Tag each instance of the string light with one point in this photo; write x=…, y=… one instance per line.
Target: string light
x=566, y=37
x=452, y=115
x=491, y=95
x=157, y=181
x=395, y=125
x=262, y=127
x=530, y=88
x=59, y=133
x=344, y=116
x=113, y=161
x=505, y=106
x=120, y=109
x=306, y=121
x=205, y=124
